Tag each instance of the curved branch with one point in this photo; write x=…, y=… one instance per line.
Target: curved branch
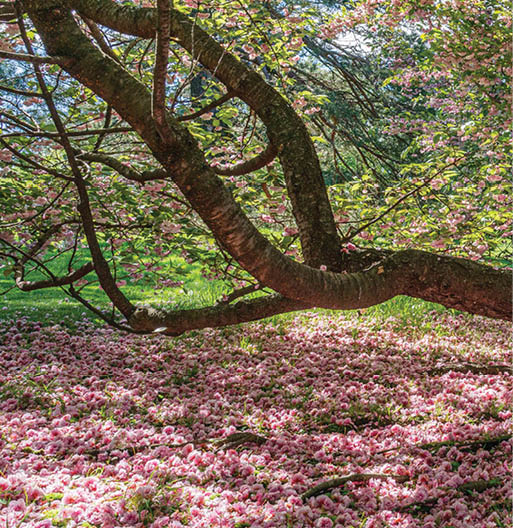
x=210, y=106
x=123, y=170
x=56, y=281
x=259, y=161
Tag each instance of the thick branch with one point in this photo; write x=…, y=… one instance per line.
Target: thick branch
x=179, y=321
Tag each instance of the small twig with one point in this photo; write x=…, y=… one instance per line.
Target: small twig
x=34, y=59
x=236, y=439
x=417, y=188
x=236, y=294
x=356, y=477
x=473, y=368
x=99, y=38
x=210, y=106
x=485, y=442
x=124, y=170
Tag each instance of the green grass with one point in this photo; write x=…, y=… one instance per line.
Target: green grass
x=54, y=305
x=51, y=306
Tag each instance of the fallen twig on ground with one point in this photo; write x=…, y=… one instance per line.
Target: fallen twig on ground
x=475, y=485
x=236, y=439
x=484, y=442
x=357, y=477
x=474, y=368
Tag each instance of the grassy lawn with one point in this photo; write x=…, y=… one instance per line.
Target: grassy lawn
x=55, y=305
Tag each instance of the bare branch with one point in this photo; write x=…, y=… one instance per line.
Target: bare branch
x=357, y=477
x=34, y=59
x=56, y=281
x=158, y=108
x=124, y=170
x=207, y=108
x=71, y=133
x=263, y=159
x=15, y=91
x=486, y=442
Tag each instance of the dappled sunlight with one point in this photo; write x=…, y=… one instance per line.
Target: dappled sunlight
x=104, y=429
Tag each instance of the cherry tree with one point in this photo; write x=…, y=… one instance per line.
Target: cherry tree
x=143, y=131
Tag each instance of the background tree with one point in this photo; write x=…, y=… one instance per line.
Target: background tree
x=132, y=130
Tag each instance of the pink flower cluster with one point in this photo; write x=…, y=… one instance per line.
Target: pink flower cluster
x=103, y=429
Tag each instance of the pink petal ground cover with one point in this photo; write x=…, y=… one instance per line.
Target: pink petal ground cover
x=93, y=425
